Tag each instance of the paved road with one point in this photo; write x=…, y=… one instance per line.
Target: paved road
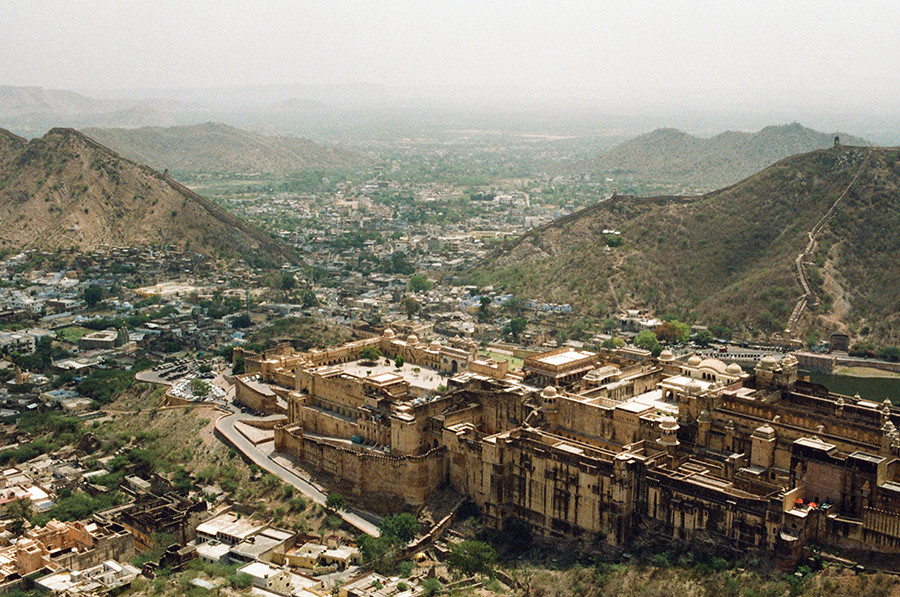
x=262, y=456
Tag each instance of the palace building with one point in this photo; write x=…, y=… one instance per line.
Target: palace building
x=579, y=445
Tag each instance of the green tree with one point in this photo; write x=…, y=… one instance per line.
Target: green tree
x=812, y=338
x=418, y=283
x=20, y=511
x=335, y=502
x=410, y=305
x=613, y=343
x=399, y=361
x=370, y=354
x=646, y=339
x=403, y=526
x=308, y=299
x=93, y=294
x=515, y=327
x=484, y=310
x=239, y=365
x=200, y=388
x=472, y=557
x=432, y=587
x=704, y=338
x=242, y=321
x=287, y=282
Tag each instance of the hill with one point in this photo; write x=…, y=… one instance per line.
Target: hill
x=66, y=190
x=33, y=110
x=215, y=147
x=727, y=257
x=672, y=157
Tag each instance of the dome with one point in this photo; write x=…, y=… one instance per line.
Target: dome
x=412, y=340
x=693, y=387
x=704, y=416
x=435, y=345
x=666, y=355
x=669, y=423
x=734, y=369
x=768, y=362
x=388, y=333
x=694, y=360
x=549, y=392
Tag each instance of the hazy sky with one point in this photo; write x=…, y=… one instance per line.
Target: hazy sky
x=739, y=48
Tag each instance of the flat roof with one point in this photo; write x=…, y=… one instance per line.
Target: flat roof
x=230, y=525
x=383, y=372
x=634, y=407
x=564, y=358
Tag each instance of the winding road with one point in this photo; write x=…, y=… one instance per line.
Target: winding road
x=263, y=456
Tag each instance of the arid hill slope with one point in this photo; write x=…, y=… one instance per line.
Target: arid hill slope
x=66, y=190
x=674, y=157
x=728, y=256
x=215, y=147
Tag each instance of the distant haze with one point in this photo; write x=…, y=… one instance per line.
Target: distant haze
x=833, y=65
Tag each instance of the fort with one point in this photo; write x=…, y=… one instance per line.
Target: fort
x=598, y=448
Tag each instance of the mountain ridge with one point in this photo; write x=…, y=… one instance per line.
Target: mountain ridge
x=673, y=157
x=217, y=147
x=727, y=257
x=67, y=190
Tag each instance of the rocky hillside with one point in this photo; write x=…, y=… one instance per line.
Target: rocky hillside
x=215, y=147
x=727, y=257
x=66, y=190
x=670, y=156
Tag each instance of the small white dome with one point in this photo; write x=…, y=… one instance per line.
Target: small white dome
x=669, y=423
x=734, y=369
x=666, y=355
x=549, y=392
x=388, y=333
x=694, y=360
x=412, y=340
x=768, y=362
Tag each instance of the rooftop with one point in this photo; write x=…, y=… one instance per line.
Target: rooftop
x=382, y=372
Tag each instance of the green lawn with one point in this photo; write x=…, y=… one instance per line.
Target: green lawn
x=73, y=333
x=514, y=362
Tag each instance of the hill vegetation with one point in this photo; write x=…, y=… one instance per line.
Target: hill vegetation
x=218, y=148
x=674, y=157
x=65, y=190
x=727, y=258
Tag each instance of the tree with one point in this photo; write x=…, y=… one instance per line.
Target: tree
x=812, y=338
x=93, y=294
x=515, y=327
x=242, y=321
x=403, y=526
x=419, y=283
x=20, y=511
x=308, y=299
x=484, y=309
x=432, y=587
x=646, y=339
x=704, y=338
x=410, y=305
x=472, y=557
x=399, y=361
x=199, y=388
x=239, y=365
x=335, y=502
x=369, y=354
x=288, y=282
x=613, y=343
